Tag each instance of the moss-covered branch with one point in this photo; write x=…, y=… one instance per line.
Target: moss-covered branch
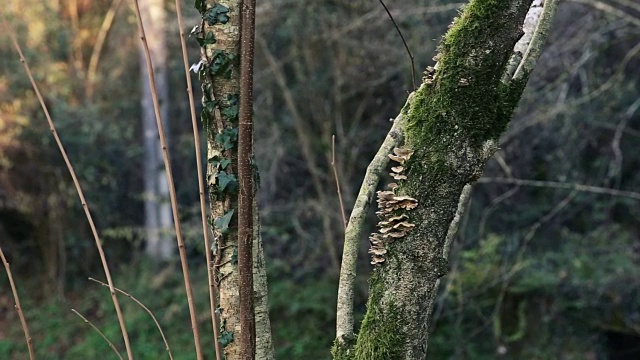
x=452, y=125
x=355, y=229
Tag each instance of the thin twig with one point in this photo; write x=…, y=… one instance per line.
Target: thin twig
x=166, y=343
x=406, y=46
x=247, y=337
x=563, y=185
x=99, y=332
x=335, y=175
x=85, y=206
x=18, y=307
x=201, y=188
x=172, y=188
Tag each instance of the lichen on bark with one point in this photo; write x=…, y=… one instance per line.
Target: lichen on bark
x=453, y=122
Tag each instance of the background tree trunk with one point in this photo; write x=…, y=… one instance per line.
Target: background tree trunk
x=157, y=210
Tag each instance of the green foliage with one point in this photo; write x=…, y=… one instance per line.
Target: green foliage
x=208, y=39
x=227, y=139
x=222, y=223
x=216, y=14
x=227, y=183
x=59, y=334
x=302, y=314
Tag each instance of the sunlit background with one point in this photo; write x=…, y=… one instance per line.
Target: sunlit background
x=547, y=261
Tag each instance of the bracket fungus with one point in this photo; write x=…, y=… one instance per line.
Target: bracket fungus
x=394, y=222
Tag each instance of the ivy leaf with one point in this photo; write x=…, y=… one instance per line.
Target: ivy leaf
x=226, y=182
x=217, y=14
x=208, y=39
x=222, y=223
x=227, y=138
x=234, y=256
x=219, y=163
x=225, y=338
x=221, y=63
x=230, y=112
x=224, y=163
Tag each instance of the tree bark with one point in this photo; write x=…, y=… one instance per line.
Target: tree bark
x=453, y=122
x=219, y=33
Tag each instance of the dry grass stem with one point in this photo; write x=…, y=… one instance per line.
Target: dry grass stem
x=87, y=212
x=18, y=307
x=99, y=332
x=172, y=188
x=166, y=343
x=201, y=188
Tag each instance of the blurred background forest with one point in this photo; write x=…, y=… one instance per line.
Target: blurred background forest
x=541, y=269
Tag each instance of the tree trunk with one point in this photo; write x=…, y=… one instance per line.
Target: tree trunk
x=453, y=122
x=219, y=36
x=157, y=210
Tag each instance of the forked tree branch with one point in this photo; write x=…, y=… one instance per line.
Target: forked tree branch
x=172, y=188
x=100, y=333
x=85, y=206
x=16, y=299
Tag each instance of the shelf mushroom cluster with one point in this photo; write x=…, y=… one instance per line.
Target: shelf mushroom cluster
x=394, y=224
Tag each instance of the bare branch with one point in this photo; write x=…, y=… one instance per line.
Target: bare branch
x=172, y=188
x=166, y=343
x=413, y=65
x=563, y=185
x=201, y=188
x=16, y=299
x=99, y=332
x=72, y=172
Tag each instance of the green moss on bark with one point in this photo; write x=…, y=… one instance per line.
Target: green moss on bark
x=381, y=336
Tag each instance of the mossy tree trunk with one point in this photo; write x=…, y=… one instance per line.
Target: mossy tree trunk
x=219, y=71
x=452, y=125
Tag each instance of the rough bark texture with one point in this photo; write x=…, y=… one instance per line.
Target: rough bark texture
x=227, y=39
x=453, y=122
x=264, y=344
x=245, y=179
x=157, y=210
x=222, y=90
